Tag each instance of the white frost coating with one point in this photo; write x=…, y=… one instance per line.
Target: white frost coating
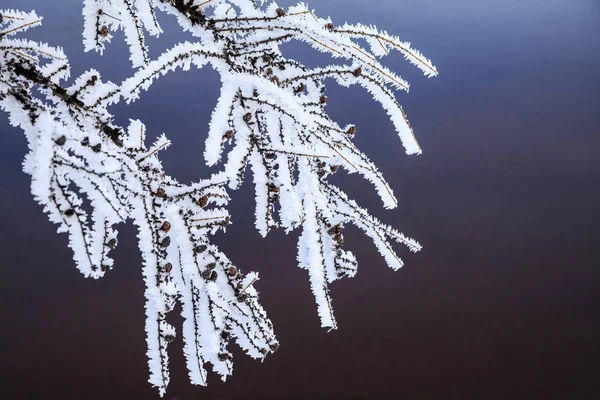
x=271, y=117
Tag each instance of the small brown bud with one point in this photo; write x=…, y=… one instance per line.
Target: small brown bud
x=274, y=198
x=168, y=267
x=166, y=226
x=225, y=335
x=203, y=201
x=211, y=265
x=275, y=80
x=169, y=338
x=300, y=88
x=200, y=249
x=280, y=12
x=161, y=192
x=247, y=117
x=270, y=156
x=166, y=242
x=209, y=275
x=242, y=297
x=97, y=148
x=69, y=212
x=333, y=168
x=232, y=271
x=357, y=72
x=255, y=93
x=351, y=131
x=61, y=140
x=269, y=71
x=329, y=26
x=180, y=211
x=323, y=99
x=112, y=243
x=104, y=268
x=228, y=135
x=274, y=346
x=103, y=31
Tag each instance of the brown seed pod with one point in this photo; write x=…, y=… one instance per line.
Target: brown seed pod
x=166, y=226
x=69, y=212
x=242, y=297
x=323, y=99
x=232, y=271
x=357, y=72
x=103, y=31
x=334, y=168
x=161, y=192
x=203, y=201
x=280, y=12
x=180, y=211
x=329, y=26
x=200, y=249
x=112, y=243
x=269, y=71
x=275, y=80
x=351, y=131
x=61, y=140
x=225, y=335
x=168, y=267
x=247, y=117
x=300, y=88
x=228, y=135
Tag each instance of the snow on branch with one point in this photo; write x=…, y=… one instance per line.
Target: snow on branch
x=271, y=118
x=91, y=175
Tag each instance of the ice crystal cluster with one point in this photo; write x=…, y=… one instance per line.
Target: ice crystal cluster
x=90, y=174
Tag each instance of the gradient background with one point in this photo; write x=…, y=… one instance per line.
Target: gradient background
x=502, y=303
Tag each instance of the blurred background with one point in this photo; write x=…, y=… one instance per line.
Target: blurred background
x=502, y=303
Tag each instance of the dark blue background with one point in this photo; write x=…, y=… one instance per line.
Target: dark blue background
x=503, y=302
